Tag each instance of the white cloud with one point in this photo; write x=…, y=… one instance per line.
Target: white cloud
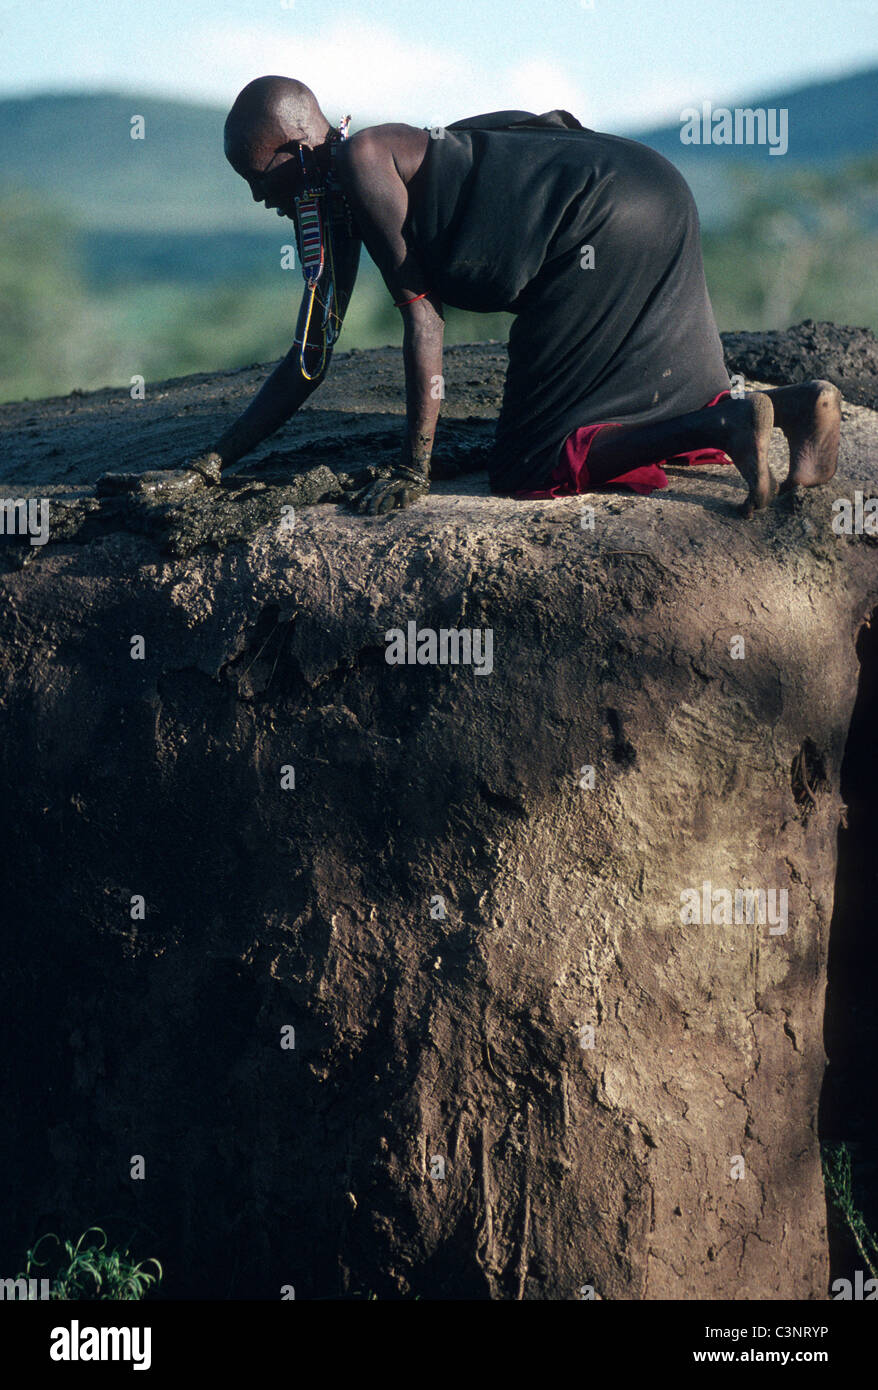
x=371, y=71
x=541, y=86
x=365, y=69
x=358, y=66
x=354, y=65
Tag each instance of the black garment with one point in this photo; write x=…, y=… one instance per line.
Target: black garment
x=502, y=208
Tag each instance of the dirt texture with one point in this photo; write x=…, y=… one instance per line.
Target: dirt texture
x=848, y=357
x=517, y=1074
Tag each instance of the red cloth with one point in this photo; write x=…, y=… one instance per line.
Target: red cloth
x=571, y=475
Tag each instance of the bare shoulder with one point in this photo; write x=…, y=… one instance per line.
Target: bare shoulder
x=393, y=147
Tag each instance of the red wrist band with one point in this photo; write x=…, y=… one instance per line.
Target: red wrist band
x=403, y=302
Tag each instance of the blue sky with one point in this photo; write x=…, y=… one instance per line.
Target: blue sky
x=614, y=63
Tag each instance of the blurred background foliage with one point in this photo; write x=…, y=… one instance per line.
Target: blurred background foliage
x=121, y=257
x=800, y=245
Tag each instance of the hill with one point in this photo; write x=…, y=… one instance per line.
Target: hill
x=77, y=150
x=828, y=122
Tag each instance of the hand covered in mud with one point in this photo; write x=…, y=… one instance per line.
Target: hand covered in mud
x=163, y=484
x=398, y=489
x=208, y=466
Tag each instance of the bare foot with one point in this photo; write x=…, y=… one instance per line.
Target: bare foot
x=750, y=423
x=810, y=417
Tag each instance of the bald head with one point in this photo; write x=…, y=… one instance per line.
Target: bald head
x=270, y=114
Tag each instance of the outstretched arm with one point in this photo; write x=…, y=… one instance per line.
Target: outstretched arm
x=286, y=389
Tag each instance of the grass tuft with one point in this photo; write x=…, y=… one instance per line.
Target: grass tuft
x=836, y=1160
x=88, y=1270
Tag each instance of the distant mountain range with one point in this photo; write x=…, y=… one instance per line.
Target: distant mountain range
x=169, y=209
x=828, y=122
x=77, y=150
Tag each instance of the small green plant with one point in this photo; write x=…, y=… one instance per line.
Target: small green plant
x=839, y=1187
x=88, y=1270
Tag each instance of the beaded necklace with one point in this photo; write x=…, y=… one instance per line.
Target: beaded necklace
x=316, y=209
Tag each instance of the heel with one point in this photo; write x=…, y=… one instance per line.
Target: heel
x=752, y=463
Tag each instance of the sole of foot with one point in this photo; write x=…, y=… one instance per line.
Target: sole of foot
x=810, y=417
x=747, y=447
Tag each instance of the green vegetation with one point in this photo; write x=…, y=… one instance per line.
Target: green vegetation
x=64, y=329
x=802, y=244
x=91, y=1271
x=839, y=1189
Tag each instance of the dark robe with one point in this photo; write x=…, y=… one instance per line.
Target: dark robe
x=501, y=211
